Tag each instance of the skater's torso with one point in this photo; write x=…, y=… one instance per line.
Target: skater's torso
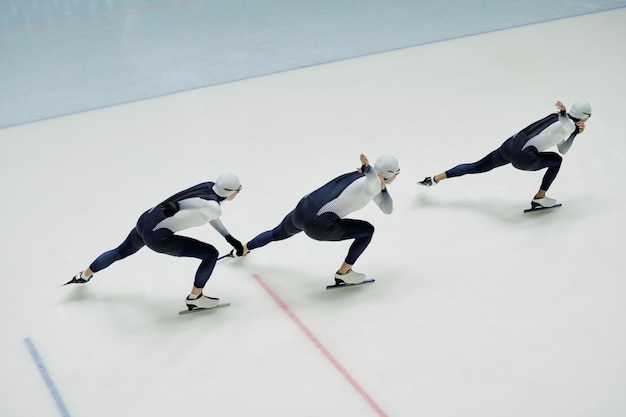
x=343, y=195
x=544, y=134
x=199, y=205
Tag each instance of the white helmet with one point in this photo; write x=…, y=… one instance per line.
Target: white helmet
x=580, y=110
x=227, y=184
x=387, y=166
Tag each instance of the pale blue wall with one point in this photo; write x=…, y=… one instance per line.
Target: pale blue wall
x=67, y=56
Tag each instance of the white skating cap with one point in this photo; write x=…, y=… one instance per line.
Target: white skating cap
x=387, y=165
x=226, y=184
x=580, y=110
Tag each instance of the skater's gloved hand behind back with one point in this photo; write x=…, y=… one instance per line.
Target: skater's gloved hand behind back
x=169, y=208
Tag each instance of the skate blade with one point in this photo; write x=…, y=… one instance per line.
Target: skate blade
x=541, y=208
x=74, y=281
x=202, y=310
x=367, y=281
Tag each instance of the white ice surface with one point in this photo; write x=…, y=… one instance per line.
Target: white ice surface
x=478, y=310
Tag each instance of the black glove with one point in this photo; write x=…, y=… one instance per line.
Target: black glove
x=235, y=244
x=169, y=208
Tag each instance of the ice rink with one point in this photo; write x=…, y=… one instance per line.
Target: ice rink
x=478, y=310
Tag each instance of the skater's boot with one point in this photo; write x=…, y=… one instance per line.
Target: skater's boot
x=202, y=301
x=349, y=277
x=543, y=202
x=79, y=278
x=428, y=182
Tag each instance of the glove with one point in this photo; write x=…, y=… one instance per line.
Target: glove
x=169, y=208
x=235, y=244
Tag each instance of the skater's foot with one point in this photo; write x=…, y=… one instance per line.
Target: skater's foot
x=543, y=202
x=79, y=278
x=201, y=301
x=428, y=182
x=349, y=277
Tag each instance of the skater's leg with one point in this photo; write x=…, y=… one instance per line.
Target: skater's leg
x=440, y=177
x=532, y=160
x=362, y=232
x=553, y=162
x=164, y=241
x=284, y=230
x=195, y=249
x=493, y=160
x=131, y=245
x=329, y=227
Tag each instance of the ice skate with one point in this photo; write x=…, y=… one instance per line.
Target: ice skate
x=79, y=278
x=349, y=278
x=202, y=302
x=427, y=182
x=543, y=202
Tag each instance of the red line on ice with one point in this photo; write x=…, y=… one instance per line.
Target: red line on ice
x=319, y=345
